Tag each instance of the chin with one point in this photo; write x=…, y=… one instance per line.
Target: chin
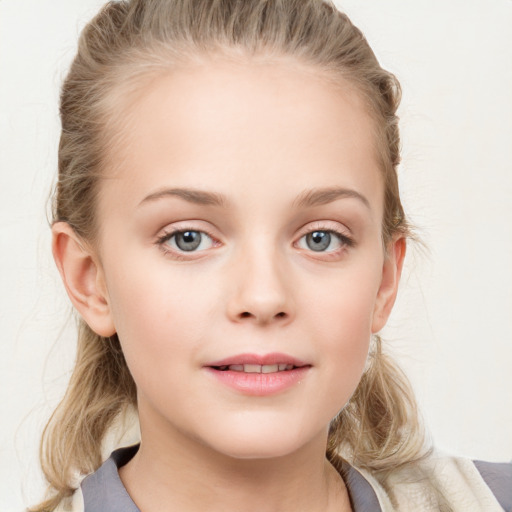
x=264, y=450
x=262, y=442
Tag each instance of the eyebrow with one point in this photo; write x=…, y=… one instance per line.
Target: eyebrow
x=306, y=199
x=188, y=194
x=320, y=196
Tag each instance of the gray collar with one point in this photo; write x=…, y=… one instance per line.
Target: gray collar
x=103, y=490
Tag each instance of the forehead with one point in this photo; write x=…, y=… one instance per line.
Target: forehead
x=250, y=125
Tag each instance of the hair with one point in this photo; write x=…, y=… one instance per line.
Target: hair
x=130, y=42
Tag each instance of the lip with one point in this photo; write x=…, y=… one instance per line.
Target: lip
x=264, y=359
x=259, y=384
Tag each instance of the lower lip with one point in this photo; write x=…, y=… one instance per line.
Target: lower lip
x=260, y=384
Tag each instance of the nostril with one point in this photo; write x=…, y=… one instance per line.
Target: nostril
x=281, y=314
x=245, y=314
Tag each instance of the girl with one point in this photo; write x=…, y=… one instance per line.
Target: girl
x=228, y=225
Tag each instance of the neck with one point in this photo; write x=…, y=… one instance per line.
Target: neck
x=173, y=472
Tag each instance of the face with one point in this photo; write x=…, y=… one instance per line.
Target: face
x=241, y=252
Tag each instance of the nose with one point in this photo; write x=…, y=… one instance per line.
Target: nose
x=261, y=289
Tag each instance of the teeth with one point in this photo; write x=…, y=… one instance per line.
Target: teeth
x=258, y=368
x=269, y=368
x=252, y=368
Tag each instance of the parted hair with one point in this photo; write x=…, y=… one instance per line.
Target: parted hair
x=132, y=41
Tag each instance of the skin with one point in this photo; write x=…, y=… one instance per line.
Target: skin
x=262, y=136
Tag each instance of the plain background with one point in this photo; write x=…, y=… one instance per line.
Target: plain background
x=452, y=326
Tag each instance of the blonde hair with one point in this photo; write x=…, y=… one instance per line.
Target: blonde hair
x=131, y=41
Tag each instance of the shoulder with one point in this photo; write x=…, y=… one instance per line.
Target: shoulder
x=446, y=483
x=436, y=483
x=498, y=477
x=102, y=490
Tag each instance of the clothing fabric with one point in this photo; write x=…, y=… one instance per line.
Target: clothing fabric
x=467, y=486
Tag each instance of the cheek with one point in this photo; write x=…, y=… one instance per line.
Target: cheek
x=341, y=318
x=342, y=304
x=345, y=336
x=160, y=317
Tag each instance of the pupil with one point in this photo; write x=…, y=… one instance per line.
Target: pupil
x=188, y=240
x=318, y=240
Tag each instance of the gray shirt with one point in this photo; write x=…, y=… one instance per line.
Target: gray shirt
x=103, y=490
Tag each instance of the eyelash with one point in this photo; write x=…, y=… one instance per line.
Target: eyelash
x=168, y=235
x=345, y=241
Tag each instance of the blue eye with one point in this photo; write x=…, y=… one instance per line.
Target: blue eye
x=188, y=240
x=323, y=241
x=318, y=240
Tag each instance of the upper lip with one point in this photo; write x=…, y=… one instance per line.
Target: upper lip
x=260, y=359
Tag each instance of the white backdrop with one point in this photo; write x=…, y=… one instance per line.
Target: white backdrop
x=452, y=326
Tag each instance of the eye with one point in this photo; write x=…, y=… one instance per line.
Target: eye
x=188, y=240
x=324, y=241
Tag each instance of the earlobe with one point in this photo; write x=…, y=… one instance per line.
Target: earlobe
x=391, y=272
x=83, y=278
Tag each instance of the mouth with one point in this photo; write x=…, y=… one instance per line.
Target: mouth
x=256, y=368
x=259, y=375
x=254, y=363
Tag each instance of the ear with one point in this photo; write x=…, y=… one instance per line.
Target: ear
x=391, y=272
x=83, y=278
